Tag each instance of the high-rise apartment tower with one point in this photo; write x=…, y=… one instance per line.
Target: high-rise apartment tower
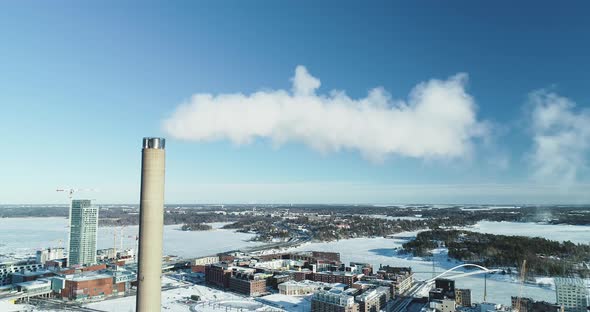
x=83, y=226
x=572, y=294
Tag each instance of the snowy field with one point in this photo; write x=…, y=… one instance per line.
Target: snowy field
x=177, y=300
x=288, y=303
x=211, y=300
x=20, y=237
x=9, y=307
x=559, y=232
x=409, y=218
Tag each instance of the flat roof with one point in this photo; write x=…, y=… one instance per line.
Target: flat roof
x=573, y=281
x=338, y=273
x=40, y=282
x=87, y=277
x=33, y=273
x=280, y=276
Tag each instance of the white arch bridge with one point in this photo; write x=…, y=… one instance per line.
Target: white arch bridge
x=482, y=270
x=421, y=287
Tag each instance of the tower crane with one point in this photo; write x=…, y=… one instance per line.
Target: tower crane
x=120, y=230
x=522, y=276
x=135, y=251
x=70, y=191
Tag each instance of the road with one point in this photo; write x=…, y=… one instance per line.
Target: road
x=407, y=301
x=53, y=304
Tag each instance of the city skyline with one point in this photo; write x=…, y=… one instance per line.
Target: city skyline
x=347, y=103
x=294, y=156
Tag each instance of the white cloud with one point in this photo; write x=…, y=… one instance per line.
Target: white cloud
x=437, y=121
x=561, y=138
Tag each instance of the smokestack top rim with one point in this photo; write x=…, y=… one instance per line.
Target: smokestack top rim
x=154, y=143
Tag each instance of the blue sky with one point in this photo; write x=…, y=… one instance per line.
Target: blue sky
x=81, y=84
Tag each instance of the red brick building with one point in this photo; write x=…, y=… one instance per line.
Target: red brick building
x=90, y=268
x=247, y=284
x=335, y=277
x=198, y=268
x=312, y=257
x=218, y=274
x=302, y=275
x=272, y=257
x=326, y=256
x=89, y=286
x=226, y=258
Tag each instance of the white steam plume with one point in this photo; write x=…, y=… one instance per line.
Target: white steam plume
x=437, y=120
x=561, y=138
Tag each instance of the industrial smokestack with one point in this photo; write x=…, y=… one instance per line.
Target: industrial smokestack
x=151, y=222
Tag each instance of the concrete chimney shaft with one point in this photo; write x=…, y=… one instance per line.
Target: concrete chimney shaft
x=151, y=222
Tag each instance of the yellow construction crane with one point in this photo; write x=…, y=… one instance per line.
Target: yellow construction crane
x=119, y=229
x=522, y=276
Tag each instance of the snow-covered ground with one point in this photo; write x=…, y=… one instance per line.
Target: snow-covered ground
x=288, y=303
x=211, y=300
x=178, y=299
x=9, y=307
x=409, y=218
x=377, y=251
x=174, y=300
x=559, y=232
x=20, y=237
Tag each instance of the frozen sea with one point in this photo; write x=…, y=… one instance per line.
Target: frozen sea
x=409, y=218
x=558, y=232
x=20, y=237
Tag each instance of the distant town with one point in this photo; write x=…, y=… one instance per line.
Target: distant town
x=273, y=276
